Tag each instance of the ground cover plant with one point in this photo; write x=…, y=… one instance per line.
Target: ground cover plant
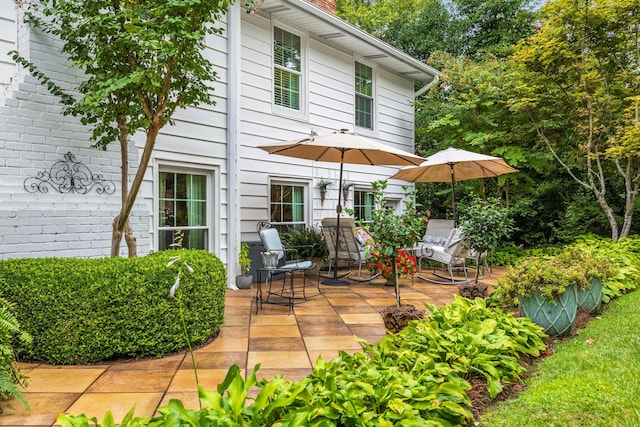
x=91, y=310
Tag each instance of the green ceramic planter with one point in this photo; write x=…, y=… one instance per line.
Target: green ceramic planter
x=556, y=319
x=590, y=299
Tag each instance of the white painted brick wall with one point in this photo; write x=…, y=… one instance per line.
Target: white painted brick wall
x=34, y=135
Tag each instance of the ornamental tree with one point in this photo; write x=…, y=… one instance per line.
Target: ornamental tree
x=142, y=61
x=576, y=81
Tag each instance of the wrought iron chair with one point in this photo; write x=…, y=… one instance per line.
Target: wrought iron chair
x=276, y=263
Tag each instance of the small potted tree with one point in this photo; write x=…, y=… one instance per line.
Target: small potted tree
x=393, y=233
x=485, y=224
x=244, y=280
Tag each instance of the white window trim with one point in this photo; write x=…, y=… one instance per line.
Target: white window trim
x=374, y=119
x=213, y=198
x=303, y=113
x=306, y=183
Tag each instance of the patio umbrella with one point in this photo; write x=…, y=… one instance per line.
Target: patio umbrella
x=453, y=165
x=343, y=147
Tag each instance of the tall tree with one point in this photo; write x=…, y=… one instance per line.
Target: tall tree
x=458, y=27
x=493, y=26
x=142, y=61
x=577, y=82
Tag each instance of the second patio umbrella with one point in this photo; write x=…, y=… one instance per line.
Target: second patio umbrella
x=453, y=165
x=343, y=147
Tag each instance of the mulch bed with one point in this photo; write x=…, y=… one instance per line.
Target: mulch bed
x=479, y=394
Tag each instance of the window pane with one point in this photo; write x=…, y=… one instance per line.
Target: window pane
x=286, y=89
x=286, y=49
x=287, y=69
x=364, y=96
x=287, y=206
x=364, y=80
x=364, y=107
x=192, y=239
x=363, y=204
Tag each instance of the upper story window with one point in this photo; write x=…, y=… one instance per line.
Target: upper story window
x=364, y=96
x=287, y=69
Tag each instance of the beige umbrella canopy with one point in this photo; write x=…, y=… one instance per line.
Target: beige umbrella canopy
x=453, y=165
x=343, y=147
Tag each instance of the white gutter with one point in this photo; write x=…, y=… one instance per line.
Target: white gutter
x=234, y=33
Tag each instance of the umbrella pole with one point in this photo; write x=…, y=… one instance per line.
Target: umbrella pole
x=453, y=195
x=335, y=281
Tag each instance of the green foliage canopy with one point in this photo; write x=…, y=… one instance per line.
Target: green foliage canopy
x=576, y=82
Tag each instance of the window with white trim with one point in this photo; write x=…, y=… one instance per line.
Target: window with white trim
x=183, y=209
x=363, y=205
x=287, y=69
x=364, y=96
x=288, y=205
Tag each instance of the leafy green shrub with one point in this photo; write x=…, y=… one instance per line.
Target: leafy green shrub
x=11, y=379
x=307, y=243
x=89, y=310
x=623, y=259
x=471, y=340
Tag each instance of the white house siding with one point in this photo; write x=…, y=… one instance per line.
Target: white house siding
x=196, y=142
x=8, y=39
x=330, y=104
x=33, y=136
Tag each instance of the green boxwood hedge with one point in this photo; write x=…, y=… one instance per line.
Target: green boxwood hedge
x=90, y=310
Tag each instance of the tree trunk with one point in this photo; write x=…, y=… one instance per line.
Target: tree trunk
x=122, y=219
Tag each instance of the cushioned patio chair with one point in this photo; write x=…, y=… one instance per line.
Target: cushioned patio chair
x=451, y=256
x=353, y=243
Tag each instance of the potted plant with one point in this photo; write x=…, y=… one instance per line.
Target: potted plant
x=595, y=269
x=485, y=224
x=244, y=280
x=346, y=187
x=308, y=244
x=545, y=288
x=393, y=233
x=323, y=185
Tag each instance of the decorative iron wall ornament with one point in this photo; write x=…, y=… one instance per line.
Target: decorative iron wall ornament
x=68, y=176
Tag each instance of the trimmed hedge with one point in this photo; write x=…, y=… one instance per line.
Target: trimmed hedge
x=90, y=310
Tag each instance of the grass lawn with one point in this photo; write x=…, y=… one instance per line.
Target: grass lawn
x=592, y=380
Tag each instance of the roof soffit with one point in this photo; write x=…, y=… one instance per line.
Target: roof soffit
x=335, y=32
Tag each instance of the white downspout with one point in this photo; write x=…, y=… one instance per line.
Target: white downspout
x=426, y=87
x=234, y=32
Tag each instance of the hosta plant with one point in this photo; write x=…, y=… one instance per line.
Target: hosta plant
x=471, y=340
